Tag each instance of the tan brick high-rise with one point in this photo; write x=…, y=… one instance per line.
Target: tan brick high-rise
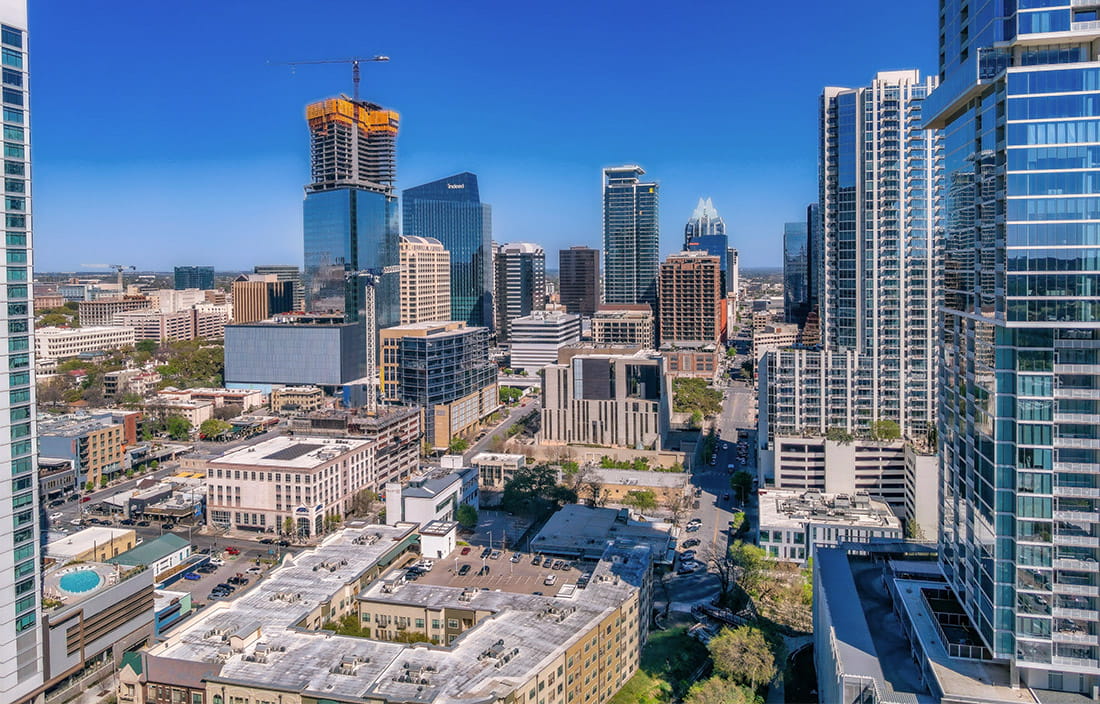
x=425, y=280
x=690, y=296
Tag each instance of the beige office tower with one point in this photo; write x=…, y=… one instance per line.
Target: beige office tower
x=425, y=280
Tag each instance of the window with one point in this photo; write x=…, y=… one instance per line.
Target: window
x=13, y=115
x=11, y=57
x=11, y=36
x=17, y=256
x=17, y=239
x=13, y=97
x=15, y=220
x=14, y=168
x=18, y=344
x=25, y=621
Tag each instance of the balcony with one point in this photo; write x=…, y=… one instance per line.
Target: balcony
x=1075, y=613
x=1079, y=589
x=1065, y=563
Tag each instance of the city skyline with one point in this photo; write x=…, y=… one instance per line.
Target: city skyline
x=238, y=128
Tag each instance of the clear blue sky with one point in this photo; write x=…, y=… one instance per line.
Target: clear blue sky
x=162, y=136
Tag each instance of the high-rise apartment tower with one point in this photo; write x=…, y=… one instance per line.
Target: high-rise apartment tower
x=21, y=640
x=630, y=236
x=425, y=280
x=690, y=298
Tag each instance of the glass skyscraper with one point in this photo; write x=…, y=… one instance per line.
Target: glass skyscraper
x=796, y=284
x=200, y=277
x=21, y=646
x=451, y=211
x=349, y=216
x=1019, y=387
x=706, y=232
x=630, y=237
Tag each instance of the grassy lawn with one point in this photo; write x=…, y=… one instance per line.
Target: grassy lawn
x=669, y=658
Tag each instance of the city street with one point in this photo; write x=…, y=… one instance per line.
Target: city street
x=715, y=509
x=534, y=404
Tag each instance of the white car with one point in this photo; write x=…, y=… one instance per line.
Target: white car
x=217, y=561
x=255, y=570
x=426, y=565
x=55, y=516
x=550, y=579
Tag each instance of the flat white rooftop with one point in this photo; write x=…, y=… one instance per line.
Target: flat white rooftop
x=286, y=452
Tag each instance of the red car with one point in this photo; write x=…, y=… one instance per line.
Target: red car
x=466, y=550
x=232, y=551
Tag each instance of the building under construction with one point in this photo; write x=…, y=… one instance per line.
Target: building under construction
x=352, y=143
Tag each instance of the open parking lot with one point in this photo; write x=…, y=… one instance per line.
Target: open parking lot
x=519, y=577
x=234, y=566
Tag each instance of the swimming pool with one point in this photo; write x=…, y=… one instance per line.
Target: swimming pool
x=79, y=581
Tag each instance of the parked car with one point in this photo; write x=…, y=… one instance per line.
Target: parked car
x=143, y=524
x=85, y=499
x=494, y=555
x=267, y=541
x=217, y=594
x=255, y=570
x=228, y=588
x=232, y=550
x=536, y=560
x=56, y=502
x=483, y=571
x=486, y=553
x=426, y=564
x=550, y=579
x=463, y=571
x=192, y=576
x=126, y=522
x=206, y=569
x=691, y=543
x=465, y=550
x=687, y=556
x=168, y=526
x=55, y=516
x=238, y=580
x=687, y=567
x=217, y=561
x=692, y=527
x=516, y=557
x=556, y=565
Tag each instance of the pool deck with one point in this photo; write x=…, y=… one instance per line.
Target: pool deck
x=108, y=575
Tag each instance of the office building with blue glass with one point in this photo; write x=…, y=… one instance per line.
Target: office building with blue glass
x=706, y=232
x=796, y=282
x=349, y=217
x=1019, y=387
x=200, y=277
x=451, y=211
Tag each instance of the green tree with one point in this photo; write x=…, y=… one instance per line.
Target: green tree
x=146, y=346
x=458, y=446
x=913, y=530
x=718, y=690
x=746, y=368
x=288, y=526
x=466, y=515
x=741, y=482
x=534, y=490
x=90, y=486
x=696, y=419
x=838, y=435
x=177, y=427
x=885, y=430
x=752, y=564
x=644, y=500
x=690, y=394
x=212, y=428
x=509, y=394
x=743, y=655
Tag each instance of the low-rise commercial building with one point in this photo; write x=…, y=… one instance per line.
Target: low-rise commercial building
x=194, y=411
x=536, y=338
x=494, y=470
x=617, y=401
x=129, y=381
x=624, y=324
x=503, y=644
x=56, y=477
x=615, y=485
x=444, y=368
x=191, y=324
x=242, y=399
x=585, y=533
x=94, y=544
x=691, y=359
x=793, y=524
x=297, y=399
x=162, y=556
x=95, y=444
x=431, y=497
x=62, y=343
x=284, y=481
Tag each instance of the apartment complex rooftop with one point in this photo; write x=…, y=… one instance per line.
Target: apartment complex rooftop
x=73, y=425
x=288, y=452
x=262, y=639
x=779, y=509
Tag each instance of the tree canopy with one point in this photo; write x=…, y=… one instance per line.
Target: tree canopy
x=718, y=690
x=534, y=490
x=691, y=394
x=743, y=655
x=466, y=515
